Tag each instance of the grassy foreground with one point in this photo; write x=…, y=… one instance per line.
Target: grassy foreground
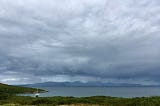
x=83, y=101
x=8, y=98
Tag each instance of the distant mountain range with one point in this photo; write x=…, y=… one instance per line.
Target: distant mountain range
x=80, y=84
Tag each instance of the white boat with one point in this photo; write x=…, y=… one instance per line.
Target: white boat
x=37, y=94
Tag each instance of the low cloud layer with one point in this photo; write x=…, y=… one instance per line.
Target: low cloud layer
x=80, y=40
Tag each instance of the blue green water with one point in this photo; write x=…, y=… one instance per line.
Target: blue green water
x=97, y=91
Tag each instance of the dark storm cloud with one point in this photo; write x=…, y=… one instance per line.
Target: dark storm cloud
x=82, y=40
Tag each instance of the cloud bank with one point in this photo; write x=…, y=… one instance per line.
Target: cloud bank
x=80, y=40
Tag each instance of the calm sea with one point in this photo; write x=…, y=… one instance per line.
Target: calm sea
x=100, y=91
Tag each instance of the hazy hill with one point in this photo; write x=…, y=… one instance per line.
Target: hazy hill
x=78, y=84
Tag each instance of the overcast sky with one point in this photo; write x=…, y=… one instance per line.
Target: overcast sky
x=80, y=40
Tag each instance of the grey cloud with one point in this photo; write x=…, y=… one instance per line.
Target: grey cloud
x=84, y=40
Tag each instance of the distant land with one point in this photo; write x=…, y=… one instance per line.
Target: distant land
x=81, y=84
x=9, y=90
